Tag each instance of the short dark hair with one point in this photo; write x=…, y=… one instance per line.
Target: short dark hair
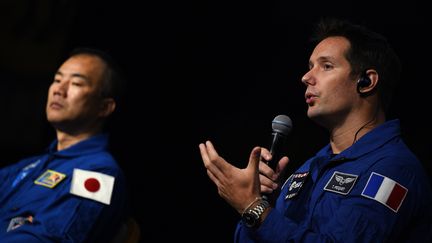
x=113, y=81
x=368, y=50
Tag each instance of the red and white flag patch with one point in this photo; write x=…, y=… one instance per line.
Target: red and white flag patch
x=93, y=185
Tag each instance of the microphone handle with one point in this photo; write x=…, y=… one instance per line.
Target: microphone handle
x=275, y=150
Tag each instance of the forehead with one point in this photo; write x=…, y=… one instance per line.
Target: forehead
x=86, y=65
x=333, y=47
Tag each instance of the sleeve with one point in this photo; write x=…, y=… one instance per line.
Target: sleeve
x=354, y=218
x=6, y=174
x=69, y=218
x=93, y=221
x=25, y=236
x=64, y=220
x=108, y=218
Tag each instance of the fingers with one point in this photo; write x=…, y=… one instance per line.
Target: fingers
x=265, y=154
x=282, y=164
x=254, y=158
x=213, y=178
x=267, y=185
x=265, y=170
x=210, y=159
x=216, y=165
x=204, y=154
x=269, y=179
x=263, y=166
x=211, y=150
x=208, y=154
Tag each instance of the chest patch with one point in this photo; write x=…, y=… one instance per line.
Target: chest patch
x=295, y=183
x=341, y=183
x=50, y=178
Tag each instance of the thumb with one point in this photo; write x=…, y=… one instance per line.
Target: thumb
x=283, y=162
x=254, y=158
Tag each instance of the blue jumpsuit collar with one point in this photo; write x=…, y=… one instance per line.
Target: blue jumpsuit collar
x=369, y=142
x=91, y=145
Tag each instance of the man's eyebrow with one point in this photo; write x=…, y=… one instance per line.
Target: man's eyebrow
x=78, y=75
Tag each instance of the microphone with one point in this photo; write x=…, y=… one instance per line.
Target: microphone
x=281, y=127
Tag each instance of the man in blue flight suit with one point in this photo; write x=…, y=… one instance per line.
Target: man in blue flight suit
x=75, y=191
x=365, y=185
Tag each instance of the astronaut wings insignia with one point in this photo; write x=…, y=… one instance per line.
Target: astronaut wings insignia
x=341, y=183
x=343, y=180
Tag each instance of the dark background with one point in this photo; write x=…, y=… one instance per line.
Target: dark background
x=197, y=70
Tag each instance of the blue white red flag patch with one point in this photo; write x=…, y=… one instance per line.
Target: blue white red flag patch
x=385, y=190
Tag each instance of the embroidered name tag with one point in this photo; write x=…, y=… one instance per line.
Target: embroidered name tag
x=341, y=183
x=50, y=178
x=295, y=184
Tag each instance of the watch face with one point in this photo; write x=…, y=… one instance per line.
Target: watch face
x=249, y=219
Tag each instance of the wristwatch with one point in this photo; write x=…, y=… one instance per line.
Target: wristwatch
x=251, y=217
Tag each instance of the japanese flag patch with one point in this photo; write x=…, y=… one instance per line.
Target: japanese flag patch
x=385, y=190
x=92, y=185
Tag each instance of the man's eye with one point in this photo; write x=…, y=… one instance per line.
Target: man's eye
x=327, y=66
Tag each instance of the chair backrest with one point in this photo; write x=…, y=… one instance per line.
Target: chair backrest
x=129, y=232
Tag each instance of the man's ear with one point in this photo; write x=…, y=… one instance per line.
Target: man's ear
x=107, y=107
x=367, y=82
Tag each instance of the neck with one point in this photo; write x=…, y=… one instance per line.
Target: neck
x=65, y=140
x=344, y=136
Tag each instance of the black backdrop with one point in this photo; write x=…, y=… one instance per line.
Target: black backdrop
x=197, y=70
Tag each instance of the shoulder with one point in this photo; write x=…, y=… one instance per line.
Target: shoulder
x=406, y=172
x=101, y=161
x=28, y=162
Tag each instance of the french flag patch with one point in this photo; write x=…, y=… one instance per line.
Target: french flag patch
x=385, y=190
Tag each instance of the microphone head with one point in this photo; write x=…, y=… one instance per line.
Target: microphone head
x=282, y=124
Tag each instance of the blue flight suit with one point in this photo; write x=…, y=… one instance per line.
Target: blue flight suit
x=54, y=214
x=374, y=191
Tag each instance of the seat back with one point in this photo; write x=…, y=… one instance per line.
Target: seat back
x=129, y=232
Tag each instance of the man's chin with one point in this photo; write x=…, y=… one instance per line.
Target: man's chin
x=57, y=122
